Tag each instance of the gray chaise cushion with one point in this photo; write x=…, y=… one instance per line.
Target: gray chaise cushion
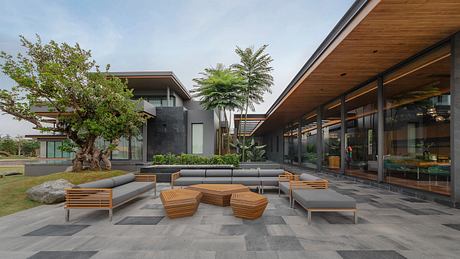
x=184, y=181
x=308, y=177
x=323, y=198
x=269, y=181
x=217, y=180
x=123, y=179
x=284, y=187
x=245, y=173
x=104, y=183
x=270, y=172
x=192, y=172
x=251, y=181
x=127, y=191
x=218, y=172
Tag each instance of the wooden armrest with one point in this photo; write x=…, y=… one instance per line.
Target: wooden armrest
x=319, y=184
x=88, y=198
x=174, y=176
x=146, y=178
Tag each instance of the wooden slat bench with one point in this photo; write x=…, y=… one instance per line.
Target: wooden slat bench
x=180, y=202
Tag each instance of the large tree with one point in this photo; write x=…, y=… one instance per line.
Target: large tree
x=88, y=103
x=219, y=88
x=255, y=68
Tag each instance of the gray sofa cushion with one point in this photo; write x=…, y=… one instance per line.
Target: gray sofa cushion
x=217, y=180
x=185, y=181
x=250, y=181
x=308, y=177
x=245, y=173
x=269, y=181
x=192, y=172
x=127, y=191
x=123, y=179
x=104, y=183
x=270, y=172
x=323, y=198
x=284, y=187
x=218, y=172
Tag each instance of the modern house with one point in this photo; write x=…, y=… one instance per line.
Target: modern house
x=379, y=100
x=177, y=123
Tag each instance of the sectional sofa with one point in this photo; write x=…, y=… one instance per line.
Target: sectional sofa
x=259, y=178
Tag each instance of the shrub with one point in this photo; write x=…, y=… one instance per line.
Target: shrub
x=189, y=159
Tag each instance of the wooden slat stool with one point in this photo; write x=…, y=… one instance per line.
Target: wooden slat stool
x=248, y=205
x=180, y=202
x=218, y=194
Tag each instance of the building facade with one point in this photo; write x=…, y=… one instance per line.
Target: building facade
x=177, y=123
x=379, y=100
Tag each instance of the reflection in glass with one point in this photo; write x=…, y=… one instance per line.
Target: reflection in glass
x=291, y=146
x=331, y=136
x=308, y=141
x=417, y=124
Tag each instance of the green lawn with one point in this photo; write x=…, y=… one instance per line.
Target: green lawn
x=11, y=168
x=13, y=188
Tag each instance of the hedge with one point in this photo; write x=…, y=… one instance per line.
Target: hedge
x=189, y=159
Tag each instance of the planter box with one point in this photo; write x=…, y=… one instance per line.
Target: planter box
x=163, y=172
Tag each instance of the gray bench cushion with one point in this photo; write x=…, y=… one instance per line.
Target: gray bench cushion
x=245, y=173
x=284, y=187
x=270, y=172
x=217, y=180
x=104, y=183
x=308, y=177
x=324, y=198
x=251, y=181
x=192, y=172
x=218, y=172
x=269, y=181
x=123, y=179
x=184, y=181
x=127, y=191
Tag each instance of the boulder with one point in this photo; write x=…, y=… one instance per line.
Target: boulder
x=49, y=192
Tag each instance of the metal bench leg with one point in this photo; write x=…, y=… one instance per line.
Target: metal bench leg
x=279, y=192
x=155, y=194
x=67, y=215
x=309, y=217
x=110, y=214
x=355, y=214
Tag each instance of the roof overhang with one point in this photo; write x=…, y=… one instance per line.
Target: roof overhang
x=153, y=80
x=246, y=125
x=372, y=37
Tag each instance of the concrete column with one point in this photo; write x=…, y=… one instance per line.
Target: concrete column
x=168, y=96
x=144, y=142
x=380, y=130
x=299, y=142
x=455, y=120
x=319, y=138
x=343, y=130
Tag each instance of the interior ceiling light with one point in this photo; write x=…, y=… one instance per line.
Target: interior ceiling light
x=343, y=74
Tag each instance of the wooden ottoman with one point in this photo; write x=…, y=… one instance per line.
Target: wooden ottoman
x=180, y=202
x=248, y=205
x=218, y=194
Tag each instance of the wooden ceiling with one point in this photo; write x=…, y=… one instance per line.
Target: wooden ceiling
x=381, y=35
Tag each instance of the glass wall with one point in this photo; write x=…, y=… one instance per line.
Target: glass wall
x=308, y=141
x=417, y=123
x=291, y=144
x=136, y=147
x=331, y=126
x=361, y=132
x=160, y=101
x=53, y=150
x=122, y=150
x=197, y=138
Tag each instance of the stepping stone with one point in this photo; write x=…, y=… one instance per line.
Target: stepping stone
x=140, y=220
x=57, y=230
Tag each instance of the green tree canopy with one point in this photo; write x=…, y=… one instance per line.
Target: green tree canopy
x=88, y=103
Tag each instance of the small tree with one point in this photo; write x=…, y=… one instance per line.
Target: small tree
x=87, y=103
x=219, y=88
x=255, y=68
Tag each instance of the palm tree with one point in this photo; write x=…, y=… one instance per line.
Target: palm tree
x=219, y=88
x=255, y=68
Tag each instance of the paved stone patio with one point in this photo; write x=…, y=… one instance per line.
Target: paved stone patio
x=390, y=226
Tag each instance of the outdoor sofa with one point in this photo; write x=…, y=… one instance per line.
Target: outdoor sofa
x=313, y=194
x=107, y=194
x=259, y=178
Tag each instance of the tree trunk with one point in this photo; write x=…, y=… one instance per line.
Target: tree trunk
x=77, y=162
x=219, y=135
x=94, y=164
x=244, y=129
x=228, y=134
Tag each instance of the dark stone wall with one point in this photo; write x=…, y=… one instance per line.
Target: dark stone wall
x=167, y=132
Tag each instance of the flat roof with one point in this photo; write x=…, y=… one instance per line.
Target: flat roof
x=372, y=37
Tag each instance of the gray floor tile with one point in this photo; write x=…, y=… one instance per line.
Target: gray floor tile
x=242, y=229
x=454, y=226
x=63, y=255
x=57, y=230
x=370, y=254
x=140, y=220
x=285, y=243
x=266, y=220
